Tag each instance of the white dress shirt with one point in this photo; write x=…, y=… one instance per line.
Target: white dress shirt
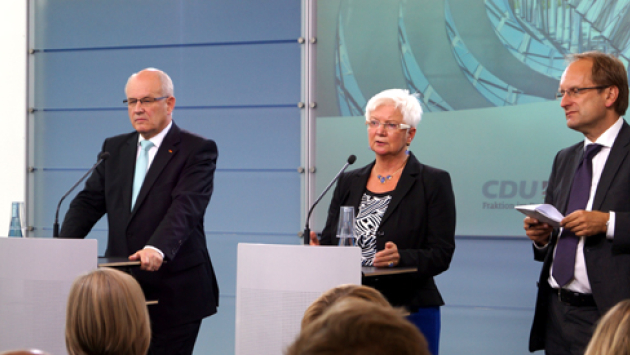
x=580, y=283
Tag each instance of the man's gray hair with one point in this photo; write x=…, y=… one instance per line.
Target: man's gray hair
x=165, y=80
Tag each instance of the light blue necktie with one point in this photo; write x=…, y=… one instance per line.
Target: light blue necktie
x=141, y=169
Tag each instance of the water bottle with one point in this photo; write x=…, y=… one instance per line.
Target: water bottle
x=17, y=212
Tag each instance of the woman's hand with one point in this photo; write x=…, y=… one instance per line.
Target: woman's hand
x=314, y=240
x=387, y=257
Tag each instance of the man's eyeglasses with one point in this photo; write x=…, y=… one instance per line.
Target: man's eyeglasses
x=143, y=101
x=573, y=92
x=389, y=126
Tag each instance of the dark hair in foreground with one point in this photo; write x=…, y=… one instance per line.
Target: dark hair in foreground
x=107, y=315
x=609, y=71
x=358, y=327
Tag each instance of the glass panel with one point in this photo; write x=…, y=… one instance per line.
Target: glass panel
x=274, y=211
x=203, y=76
x=477, y=330
x=78, y=24
x=232, y=208
x=258, y=144
x=507, y=265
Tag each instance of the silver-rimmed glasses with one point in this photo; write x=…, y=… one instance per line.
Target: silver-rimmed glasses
x=143, y=101
x=573, y=92
x=389, y=126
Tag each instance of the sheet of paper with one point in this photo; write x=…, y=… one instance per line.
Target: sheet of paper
x=543, y=212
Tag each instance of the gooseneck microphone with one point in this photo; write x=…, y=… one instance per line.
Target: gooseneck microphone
x=307, y=230
x=102, y=156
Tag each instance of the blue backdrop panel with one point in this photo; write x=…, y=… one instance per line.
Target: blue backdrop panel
x=89, y=24
x=217, y=336
x=486, y=273
x=255, y=202
x=241, y=202
x=247, y=138
x=58, y=146
x=50, y=185
x=490, y=293
x=203, y=76
x=484, y=331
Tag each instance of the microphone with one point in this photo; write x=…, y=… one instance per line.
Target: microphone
x=307, y=230
x=102, y=156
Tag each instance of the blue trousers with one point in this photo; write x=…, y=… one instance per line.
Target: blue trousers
x=428, y=320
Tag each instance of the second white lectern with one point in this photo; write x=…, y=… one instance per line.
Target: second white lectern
x=276, y=283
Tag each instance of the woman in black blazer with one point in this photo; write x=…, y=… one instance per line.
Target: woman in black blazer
x=406, y=212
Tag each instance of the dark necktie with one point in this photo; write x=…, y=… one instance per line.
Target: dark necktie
x=564, y=261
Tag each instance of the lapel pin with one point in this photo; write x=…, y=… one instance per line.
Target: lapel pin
x=170, y=151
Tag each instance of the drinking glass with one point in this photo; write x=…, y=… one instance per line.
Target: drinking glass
x=345, y=228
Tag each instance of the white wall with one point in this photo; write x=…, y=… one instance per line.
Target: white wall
x=13, y=116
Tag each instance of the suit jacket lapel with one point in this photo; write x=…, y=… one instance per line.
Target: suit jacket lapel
x=128, y=153
x=618, y=153
x=407, y=179
x=568, y=174
x=165, y=152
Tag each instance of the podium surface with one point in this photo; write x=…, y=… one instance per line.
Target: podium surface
x=116, y=261
x=372, y=271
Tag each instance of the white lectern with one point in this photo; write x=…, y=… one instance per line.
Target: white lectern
x=35, y=279
x=276, y=283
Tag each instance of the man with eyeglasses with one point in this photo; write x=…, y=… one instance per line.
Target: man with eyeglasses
x=155, y=188
x=586, y=262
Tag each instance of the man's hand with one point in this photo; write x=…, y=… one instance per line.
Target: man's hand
x=387, y=257
x=150, y=260
x=585, y=223
x=537, y=231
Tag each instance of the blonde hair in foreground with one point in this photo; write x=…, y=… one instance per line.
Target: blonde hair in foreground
x=107, y=314
x=612, y=335
x=328, y=298
x=354, y=326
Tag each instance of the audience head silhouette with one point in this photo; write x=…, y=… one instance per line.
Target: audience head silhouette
x=335, y=294
x=358, y=327
x=107, y=315
x=612, y=335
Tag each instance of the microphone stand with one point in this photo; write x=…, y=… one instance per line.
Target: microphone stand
x=101, y=157
x=307, y=231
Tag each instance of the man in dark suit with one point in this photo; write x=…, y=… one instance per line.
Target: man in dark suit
x=158, y=218
x=594, y=96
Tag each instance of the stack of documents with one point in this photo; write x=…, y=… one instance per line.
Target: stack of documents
x=543, y=212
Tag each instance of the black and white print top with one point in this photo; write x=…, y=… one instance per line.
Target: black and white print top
x=371, y=211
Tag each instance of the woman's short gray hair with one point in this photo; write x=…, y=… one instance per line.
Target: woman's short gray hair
x=406, y=103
